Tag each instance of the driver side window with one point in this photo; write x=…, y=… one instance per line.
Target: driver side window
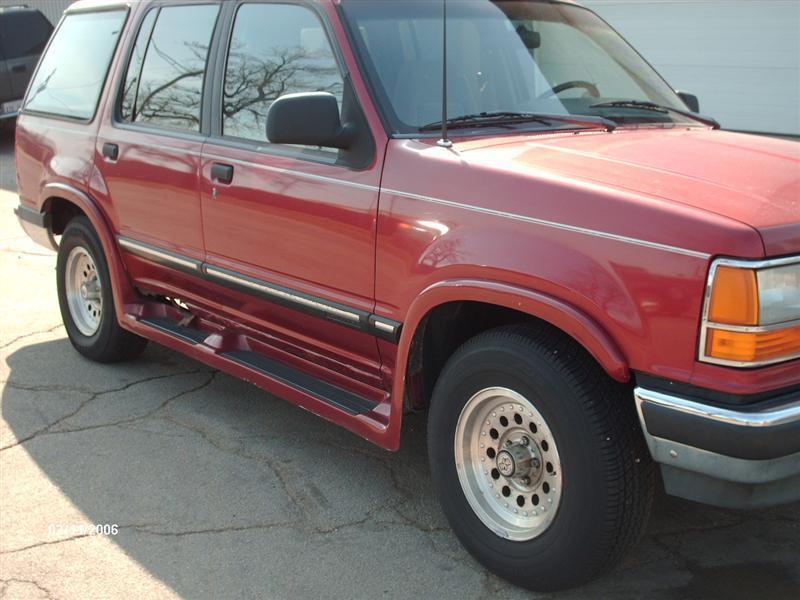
x=275, y=49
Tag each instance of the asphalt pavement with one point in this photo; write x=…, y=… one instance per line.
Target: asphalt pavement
x=203, y=486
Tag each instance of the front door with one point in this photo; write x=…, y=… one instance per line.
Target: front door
x=292, y=228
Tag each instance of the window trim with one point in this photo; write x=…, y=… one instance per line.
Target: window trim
x=125, y=9
x=215, y=132
x=366, y=73
x=116, y=110
x=117, y=106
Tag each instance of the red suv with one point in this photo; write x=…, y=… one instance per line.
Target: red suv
x=584, y=281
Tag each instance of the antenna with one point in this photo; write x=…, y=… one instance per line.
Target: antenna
x=444, y=142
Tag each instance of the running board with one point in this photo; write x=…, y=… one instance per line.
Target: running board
x=363, y=409
x=167, y=325
x=336, y=396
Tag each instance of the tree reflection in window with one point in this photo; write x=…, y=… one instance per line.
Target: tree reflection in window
x=169, y=91
x=275, y=49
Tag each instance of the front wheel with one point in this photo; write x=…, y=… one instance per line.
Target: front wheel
x=85, y=297
x=537, y=458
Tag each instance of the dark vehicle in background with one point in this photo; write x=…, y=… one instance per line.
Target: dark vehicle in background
x=24, y=33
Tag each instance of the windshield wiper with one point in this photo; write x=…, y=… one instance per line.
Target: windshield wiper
x=487, y=119
x=652, y=106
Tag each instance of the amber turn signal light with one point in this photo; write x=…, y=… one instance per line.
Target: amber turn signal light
x=734, y=297
x=752, y=312
x=753, y=346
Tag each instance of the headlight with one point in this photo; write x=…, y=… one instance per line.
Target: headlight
x=751, y=315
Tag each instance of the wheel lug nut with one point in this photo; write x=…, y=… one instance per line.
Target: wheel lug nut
x=526, y=480
x=524, y=441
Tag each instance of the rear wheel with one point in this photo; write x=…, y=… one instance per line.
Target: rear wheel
x=85, y=298
x=538, y=459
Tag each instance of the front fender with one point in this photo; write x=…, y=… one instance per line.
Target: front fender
x=570, y=320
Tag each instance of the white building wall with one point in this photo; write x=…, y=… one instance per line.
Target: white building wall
x=741, y=57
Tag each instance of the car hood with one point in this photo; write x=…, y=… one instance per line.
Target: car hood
x=750, y=179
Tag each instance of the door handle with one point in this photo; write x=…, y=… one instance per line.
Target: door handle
x=19, y=69
x=221, y=172
x=111, y=151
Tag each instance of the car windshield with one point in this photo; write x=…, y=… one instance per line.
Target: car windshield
x=535, y=56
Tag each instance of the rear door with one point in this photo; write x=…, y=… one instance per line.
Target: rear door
x=148, y=146
x=292, y=227
x=25, y=34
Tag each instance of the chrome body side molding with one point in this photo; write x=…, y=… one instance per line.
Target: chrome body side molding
x=553, y=224
x=319, y=307
x=159, y=255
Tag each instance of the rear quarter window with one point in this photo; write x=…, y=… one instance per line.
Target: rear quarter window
x=71, y=74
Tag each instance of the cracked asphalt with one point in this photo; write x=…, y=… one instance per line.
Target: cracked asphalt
x=219, y=490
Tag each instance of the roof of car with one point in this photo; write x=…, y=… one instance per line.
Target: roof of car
x=81, y=5
x=100, y=4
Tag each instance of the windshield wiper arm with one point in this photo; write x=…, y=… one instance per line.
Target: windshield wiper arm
x=485, y=119
x=584, y=120
x=652, y=106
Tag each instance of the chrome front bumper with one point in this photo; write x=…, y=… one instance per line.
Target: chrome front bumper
x=743, y=457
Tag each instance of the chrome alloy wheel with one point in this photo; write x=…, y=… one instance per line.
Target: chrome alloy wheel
x=84, y=292
x=508, y=464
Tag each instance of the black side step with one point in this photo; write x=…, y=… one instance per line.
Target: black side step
x=187, y=334
x=347, y=401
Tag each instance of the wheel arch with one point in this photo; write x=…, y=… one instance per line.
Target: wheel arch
x=505, y=304
x=61, y=203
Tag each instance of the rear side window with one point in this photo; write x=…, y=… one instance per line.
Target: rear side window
x=128, y=108
x=24, y=33
x=275, y=49
x=72, y=72
x=164, y=83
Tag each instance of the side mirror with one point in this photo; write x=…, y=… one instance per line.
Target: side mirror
x=690, y=100
x=308, y=119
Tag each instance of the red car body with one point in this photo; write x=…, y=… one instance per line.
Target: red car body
x=608, y=236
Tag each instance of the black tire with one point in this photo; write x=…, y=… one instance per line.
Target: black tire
x=608, y=476
x=109, y=343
